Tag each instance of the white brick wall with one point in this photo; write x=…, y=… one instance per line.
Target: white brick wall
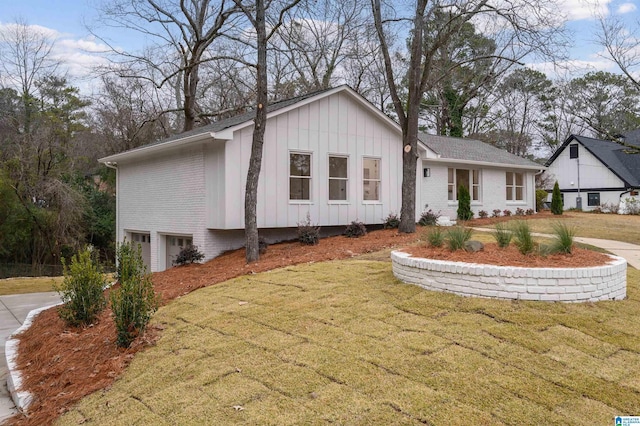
x=163, y=196
x=608, y=282
x=492, y=190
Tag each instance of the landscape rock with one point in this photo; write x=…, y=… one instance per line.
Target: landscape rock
x=473, y=246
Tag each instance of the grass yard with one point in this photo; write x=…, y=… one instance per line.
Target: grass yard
x=591, y=225
x=344, y=342
x=28, y=285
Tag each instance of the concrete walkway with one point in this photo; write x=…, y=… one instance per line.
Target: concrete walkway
x=13, y=311
x=631, y=252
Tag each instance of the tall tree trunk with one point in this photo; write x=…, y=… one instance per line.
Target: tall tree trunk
x=410, y=124
x=255, y=162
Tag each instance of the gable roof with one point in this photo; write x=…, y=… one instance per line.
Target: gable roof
x=474, y=151
x=611, y=154
x=223, y=129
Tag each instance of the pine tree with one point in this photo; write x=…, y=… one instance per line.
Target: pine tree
x=464, y=203
x=556, y=200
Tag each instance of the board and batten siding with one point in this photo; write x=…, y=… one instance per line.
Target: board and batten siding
x=333, y=125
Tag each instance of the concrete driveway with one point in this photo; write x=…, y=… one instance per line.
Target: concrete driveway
x=13, y=311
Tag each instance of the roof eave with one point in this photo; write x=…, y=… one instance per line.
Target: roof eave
x=487, y=164
x=164, y=146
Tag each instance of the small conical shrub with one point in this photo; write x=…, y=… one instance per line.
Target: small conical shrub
x=556, y=200
x=464, y=204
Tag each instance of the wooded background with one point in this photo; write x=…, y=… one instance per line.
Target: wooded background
x=450, y=68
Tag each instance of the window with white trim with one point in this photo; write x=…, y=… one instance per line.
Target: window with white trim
x=371, y=179
x=338, y=177
x=299, y=176
x=469, y=178
x=515, y=186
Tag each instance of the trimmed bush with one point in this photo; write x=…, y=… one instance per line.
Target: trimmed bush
x=392, y=221
x=496, y=213
x=563, y=238
x=188, y=254
x=519, y=212
x=530, y=212
x=308, y=234
x=506, y=212
x=503, y=235
x=355, y=230
x=541, y=196
x=82, y=290
x=556, y=200
x=435, y=237
x=522, y=237
x=429, y=218
x=464, y=204
x=482, y=214
x=134, y=301
x=458, y=236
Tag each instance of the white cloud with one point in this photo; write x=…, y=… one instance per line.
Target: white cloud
x=78, y=55
x=626, y=8
x=572, y=68
x=577, y=10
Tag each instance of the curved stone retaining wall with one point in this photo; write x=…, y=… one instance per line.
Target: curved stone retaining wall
x=607, y=282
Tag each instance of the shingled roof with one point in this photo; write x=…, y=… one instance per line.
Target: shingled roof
x=614, y=156
x=473, y=150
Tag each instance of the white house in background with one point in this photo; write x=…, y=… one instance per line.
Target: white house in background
x=330, y=155
x=596, y=172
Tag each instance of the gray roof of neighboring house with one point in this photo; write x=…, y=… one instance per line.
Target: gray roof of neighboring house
x=613, y=155
x=473, y=150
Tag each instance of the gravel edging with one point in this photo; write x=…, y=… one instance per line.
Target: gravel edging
x=21, y=398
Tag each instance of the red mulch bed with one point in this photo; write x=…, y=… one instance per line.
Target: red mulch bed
x=510, y=256
x=61, y=365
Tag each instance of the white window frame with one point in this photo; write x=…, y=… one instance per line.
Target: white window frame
x=512, y=187
x=330, y=178
x=472, y=183
x=310, y=177
x=378, y=180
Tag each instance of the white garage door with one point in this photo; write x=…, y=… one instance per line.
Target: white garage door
x=144, y=240
x=174, y=245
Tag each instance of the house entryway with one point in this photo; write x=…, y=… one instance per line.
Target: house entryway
x=144, y=240
x=174, y=245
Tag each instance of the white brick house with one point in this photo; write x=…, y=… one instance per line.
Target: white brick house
x=330, y=154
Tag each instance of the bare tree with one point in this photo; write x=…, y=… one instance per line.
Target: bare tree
x=606, y=104
x=622, y=43
x=530, y=25
x=25, y=57
x=256, y=14
x=126, y=115
x=182, y=34
x=309, y=51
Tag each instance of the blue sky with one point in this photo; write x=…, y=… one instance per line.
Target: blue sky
x=65, y=20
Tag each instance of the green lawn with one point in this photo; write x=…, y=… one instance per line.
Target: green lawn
x=28, y=285
x=591, y=225
x=344, y=342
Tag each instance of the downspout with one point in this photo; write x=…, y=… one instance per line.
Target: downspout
x=579, y=197
x=113, y=165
